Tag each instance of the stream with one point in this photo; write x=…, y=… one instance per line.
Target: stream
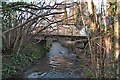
x=60, y=62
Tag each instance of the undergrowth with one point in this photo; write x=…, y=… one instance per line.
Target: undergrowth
x=16, y=63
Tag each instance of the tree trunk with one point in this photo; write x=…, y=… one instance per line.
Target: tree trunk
x=117, y=36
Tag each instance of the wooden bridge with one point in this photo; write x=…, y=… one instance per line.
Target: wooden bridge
x=64, y=39
x=60, y=37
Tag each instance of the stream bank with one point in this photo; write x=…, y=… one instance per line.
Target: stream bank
x=15, y=64
x=60, y=62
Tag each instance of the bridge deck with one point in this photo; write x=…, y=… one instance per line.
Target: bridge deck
x=82, y=37
x=74, y=39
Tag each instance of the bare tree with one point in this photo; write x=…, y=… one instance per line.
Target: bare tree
x=21, y=19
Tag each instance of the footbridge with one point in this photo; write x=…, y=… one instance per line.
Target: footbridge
x=61, y=38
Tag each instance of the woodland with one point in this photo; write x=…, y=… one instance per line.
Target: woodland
x=23, y=21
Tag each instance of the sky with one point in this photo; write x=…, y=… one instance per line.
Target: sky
x=96, y=2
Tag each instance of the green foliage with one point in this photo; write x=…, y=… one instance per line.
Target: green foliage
x=112, y=8
x=8, y=69
x=78, y=13
x=25, y=58
x=109, y=30
x=92, y=17
x=14, y=6
x=89, y=73
x=81, y=23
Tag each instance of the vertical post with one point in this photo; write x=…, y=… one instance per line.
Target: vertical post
x=0, y=41
x=117, y=36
